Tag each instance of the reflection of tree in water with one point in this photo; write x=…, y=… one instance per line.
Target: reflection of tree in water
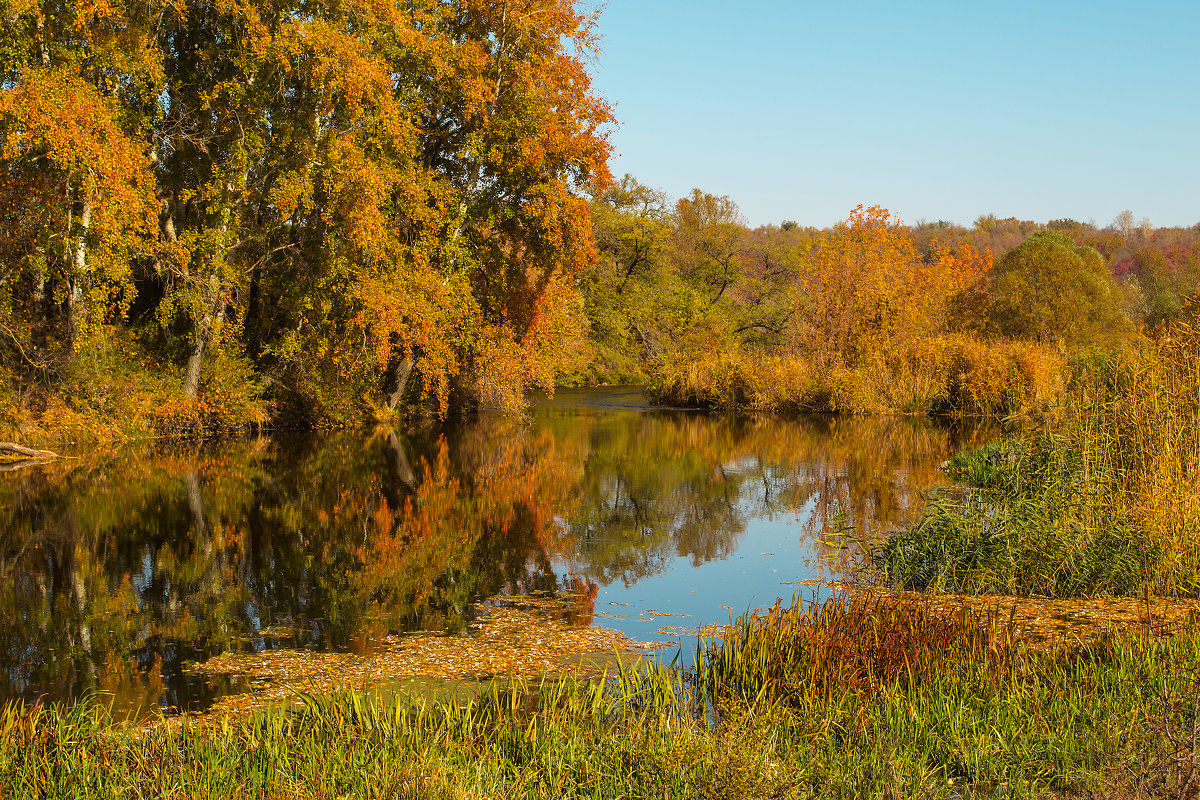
x=651, y=489
x=658, y=486
x=111, y=576
x=869, y=476
x=115, y=572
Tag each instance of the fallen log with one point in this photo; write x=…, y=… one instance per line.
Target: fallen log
x=18, y=450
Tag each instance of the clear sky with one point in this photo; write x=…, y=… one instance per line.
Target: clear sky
x=938, y=110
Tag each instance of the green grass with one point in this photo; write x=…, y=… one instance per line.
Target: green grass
x=923, y=705
x=1041, y=516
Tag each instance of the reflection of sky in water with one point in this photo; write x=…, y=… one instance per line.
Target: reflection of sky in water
x=773, y=554
x=776, y=550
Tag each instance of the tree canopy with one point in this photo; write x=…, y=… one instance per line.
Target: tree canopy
x=1050, y=289
x=335, y=196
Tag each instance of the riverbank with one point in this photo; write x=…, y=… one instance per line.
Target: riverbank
x=970, y=711
x=123, y=392
x=951, y=376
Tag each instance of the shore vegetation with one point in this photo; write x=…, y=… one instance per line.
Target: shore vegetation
x=846, y=698
x=1105, y=498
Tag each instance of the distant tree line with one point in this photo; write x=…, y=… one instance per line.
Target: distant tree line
x=681, y=280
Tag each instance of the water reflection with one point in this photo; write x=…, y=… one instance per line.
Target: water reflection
x=114, y=573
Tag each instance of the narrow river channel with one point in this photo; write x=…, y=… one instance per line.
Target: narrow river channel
x=118, y=572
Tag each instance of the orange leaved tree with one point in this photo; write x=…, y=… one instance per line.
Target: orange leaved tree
x=867, y=286
x=76, y=193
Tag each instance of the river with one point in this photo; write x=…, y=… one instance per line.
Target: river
x=119, y=571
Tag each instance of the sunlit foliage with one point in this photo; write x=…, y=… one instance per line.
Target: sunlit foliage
x=1050, y=289
x=869, y=287
x=336, y=198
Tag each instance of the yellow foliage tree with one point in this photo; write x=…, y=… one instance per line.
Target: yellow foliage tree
x=867, y=286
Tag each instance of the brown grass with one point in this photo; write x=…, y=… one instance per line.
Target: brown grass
x=952, y=375
x=852, y=644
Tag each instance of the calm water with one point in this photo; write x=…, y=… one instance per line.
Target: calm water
x=117, y=571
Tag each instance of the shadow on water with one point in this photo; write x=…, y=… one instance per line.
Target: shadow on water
x=117, y=572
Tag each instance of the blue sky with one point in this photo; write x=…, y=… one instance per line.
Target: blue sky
x=938, y=110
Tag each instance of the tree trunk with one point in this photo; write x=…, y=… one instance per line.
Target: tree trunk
x=16, y=449
x=250, y=330
x=398, y=378
x=191, y=379
x=40, y=35
x=37, y=330
x=76, y=312
x=209, y=324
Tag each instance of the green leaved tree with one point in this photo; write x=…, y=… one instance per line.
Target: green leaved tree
x=1051, y=290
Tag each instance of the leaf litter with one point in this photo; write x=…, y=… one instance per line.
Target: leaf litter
x=1047, y=620
x=514, y=637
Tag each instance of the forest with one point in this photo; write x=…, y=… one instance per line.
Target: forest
x=222, y=216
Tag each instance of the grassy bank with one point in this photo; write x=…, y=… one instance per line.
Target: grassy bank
x=951, y=375
x=1104, y=499
x=841, y=700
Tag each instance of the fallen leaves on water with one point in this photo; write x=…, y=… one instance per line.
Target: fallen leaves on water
x=1051, y=620
x=514, y=637
x=710, y=631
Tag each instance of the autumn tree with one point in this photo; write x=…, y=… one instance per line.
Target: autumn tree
x=628, y=292
x=1052, y=290
x=678, y=279
x=708, y=243
x=867, y=285
x=360, y=193
x=76, y=192
x=1164, y=275
x=773, y=260
x=470, y=219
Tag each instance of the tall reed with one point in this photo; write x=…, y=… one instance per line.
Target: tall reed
x=948, y=375
x=1104, y=499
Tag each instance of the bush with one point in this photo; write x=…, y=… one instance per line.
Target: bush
x=975, y=377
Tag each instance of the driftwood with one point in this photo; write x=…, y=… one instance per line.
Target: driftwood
x=18, y=450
